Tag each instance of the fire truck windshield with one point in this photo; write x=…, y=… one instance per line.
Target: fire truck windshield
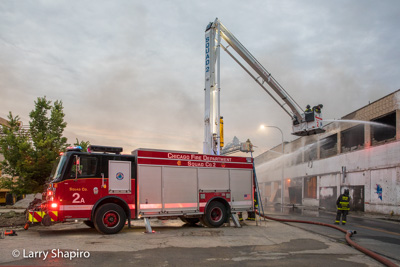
x=57, y=169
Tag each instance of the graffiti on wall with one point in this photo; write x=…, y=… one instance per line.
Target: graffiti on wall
x=379, y=191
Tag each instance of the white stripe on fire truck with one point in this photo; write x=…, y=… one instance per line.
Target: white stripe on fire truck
x=150, y=206
x=85, y=207
x=180, y=205
x=76, y=207
x=202, y=204
x=242, y=203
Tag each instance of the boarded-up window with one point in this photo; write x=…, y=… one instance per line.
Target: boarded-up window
x=310, y=187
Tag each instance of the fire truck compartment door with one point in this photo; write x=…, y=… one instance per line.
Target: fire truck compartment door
x=214, y=179
x=241, y=189
x=149, y=190
x=119, y=177
x=179, y=189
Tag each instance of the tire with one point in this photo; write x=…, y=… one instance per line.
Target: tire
x=46, y=220
x=109, y=219
x=89, y=223
x=216, y=214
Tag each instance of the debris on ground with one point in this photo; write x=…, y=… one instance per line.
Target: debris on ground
x=12, y=218
x=24, y=203
x=16, y=215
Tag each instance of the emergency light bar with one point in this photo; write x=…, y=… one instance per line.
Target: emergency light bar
x=105, y=149
x=74, y=148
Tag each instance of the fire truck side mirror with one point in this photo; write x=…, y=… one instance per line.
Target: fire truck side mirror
x=77, y=167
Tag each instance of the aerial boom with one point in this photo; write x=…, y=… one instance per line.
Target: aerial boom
x=259, y=69
x=304, y=123
x=212, y=116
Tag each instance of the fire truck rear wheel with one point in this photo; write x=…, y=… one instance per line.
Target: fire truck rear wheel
x=110, y=218
x=215, y=215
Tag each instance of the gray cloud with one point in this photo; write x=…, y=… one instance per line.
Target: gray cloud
x=130, y=73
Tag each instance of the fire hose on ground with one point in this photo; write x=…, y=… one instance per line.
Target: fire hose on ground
x=348, y=233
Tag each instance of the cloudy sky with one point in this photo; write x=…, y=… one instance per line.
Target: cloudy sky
x=131, y=73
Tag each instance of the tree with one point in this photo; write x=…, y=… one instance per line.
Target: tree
x=15, y=146
x=30, y=155
x=83, y=144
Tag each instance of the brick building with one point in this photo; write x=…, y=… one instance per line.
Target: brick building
x=361, y=151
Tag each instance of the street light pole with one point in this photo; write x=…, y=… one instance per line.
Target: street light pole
x=283, y=152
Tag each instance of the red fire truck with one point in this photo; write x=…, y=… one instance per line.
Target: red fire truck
x=105, y=189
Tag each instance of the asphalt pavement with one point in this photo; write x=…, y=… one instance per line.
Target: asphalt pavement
x=376, y=232
x=269, y=243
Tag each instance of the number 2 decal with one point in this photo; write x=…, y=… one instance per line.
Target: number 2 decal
x=77, y=198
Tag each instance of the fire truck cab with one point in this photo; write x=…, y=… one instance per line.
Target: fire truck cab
x=104, y=188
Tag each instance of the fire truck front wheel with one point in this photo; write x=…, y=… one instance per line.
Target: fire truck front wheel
x=109, y=218
x=215, y=215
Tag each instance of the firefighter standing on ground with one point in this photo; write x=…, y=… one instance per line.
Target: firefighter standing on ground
x=343, y=207
x=251, y=215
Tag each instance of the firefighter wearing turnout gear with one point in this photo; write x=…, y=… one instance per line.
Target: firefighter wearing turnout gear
x=318, y=108
x=251, y=215
x=343, y=207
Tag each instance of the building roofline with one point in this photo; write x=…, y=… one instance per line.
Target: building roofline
x=398, y=90
x=3, y=121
